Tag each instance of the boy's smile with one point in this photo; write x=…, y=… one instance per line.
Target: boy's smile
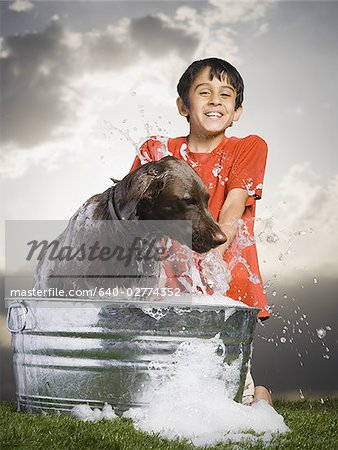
x=212, y=105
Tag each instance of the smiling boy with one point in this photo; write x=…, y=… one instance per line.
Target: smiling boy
x=210, y=97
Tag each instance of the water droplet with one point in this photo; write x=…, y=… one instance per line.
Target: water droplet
x=326, y=357
x=133, y=93
x=183, y=328
x=274, y=293
x=315, y=280
x=272, y=238
x=285, y=296
x=321, y=333
x=300, y=331
x=328, y=328
x=322, y=401
x=283, y=340
x=301, y=395
x=124, y=120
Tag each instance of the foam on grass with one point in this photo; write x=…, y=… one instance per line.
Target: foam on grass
x=87, y=414
x=192, y=398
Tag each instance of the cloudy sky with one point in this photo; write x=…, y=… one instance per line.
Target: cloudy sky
x=84, y=83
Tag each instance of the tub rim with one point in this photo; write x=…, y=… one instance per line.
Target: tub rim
x=128, y=303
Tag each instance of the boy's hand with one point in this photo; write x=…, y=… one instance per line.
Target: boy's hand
x=231, y=212
x=223, y=248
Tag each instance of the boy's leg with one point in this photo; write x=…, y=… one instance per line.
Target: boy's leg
x=249, y=389
x=252, y=394
x=261, y=393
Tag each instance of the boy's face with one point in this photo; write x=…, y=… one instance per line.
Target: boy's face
x=212, y=105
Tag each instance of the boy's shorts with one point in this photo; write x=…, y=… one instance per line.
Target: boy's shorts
x=249, y=390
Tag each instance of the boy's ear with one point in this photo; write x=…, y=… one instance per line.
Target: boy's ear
x=182, y=109
x=238, y=113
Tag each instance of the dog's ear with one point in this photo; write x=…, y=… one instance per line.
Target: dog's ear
x=155, y=173
x=155, y=180
x=154, y=188
x=115, y=181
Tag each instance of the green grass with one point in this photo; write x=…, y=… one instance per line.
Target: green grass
x=314, y=426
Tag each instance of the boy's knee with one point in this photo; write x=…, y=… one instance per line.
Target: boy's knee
x=261, y=393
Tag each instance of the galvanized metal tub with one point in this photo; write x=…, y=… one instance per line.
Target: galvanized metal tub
x=68, y=352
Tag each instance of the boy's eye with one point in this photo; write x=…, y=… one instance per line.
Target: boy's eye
x=225, y=95
x=204, y=92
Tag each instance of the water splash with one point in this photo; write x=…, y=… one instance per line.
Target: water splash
x=321, y=333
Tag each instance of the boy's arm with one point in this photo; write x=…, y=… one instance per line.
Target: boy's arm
x=232, y=210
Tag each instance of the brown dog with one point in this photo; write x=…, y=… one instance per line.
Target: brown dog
x=167, y=190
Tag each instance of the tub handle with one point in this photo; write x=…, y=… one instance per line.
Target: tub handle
x=16, y=317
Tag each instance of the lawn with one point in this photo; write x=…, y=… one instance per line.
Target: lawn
x=314, y=426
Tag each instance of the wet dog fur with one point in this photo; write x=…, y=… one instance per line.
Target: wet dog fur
x=167, y=190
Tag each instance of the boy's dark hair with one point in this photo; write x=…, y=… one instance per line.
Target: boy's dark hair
x=218, y=68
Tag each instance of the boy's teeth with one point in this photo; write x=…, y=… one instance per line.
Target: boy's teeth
x=214, y=114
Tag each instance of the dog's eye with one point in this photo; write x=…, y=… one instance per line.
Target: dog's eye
x=190, y=200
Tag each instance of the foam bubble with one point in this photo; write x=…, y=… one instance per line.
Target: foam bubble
x=191, y=397
x=87, y=414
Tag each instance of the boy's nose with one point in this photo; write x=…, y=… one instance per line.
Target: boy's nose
x=215, y=101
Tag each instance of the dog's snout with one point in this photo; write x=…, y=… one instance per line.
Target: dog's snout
x=220, y=238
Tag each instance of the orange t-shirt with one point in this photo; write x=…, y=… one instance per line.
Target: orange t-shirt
x=234, y=163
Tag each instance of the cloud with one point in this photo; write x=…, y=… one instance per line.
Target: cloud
x=21, y=6
x=298, y=231
x=263, y=29
x=39, y=69
x=156, y=38
x=214, y=25
x=46, y=75
x=32, y=86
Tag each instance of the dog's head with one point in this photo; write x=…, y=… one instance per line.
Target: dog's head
x=170, y=190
